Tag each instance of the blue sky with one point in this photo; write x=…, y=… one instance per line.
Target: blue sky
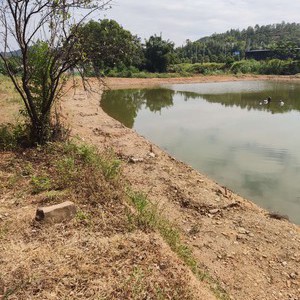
x=192, y=19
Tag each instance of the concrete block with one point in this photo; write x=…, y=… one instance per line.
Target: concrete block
x=56, y=213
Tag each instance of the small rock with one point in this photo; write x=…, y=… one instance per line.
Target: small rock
x=284, y=263
x=213, y=211
x=151, y=154
x=163, y=266
x=293, y=276
x=240, y=237
x=56, y=213
x=135, y=160
x=242, y=230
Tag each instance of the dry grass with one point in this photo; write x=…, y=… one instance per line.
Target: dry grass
x=10, y=101
x=97, y=255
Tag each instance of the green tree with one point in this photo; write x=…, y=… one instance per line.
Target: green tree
x=285, y=50
x=108, y=45
x=159, y=54
x=45, y=32
x=222, y=47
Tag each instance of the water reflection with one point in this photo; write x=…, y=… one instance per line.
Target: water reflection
x=223, y=131
x=250, y=101
x=123, y=105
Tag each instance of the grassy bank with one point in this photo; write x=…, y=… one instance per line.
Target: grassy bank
x=9, y=101
x=117, y=247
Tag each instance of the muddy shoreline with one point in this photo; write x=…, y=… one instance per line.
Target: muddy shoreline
x=252, y=255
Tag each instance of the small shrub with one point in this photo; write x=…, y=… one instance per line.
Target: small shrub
x=13, y=137
x=7, y=138
x=206, y=68
x=245, y=66
x=87, y=153
x=83, y=217
x=106, y=162
x=27, y=169
x=110, y=165
x=147, y=214
x=66, y=170
x=40, y=184
x=273, y=66
x=149, y=218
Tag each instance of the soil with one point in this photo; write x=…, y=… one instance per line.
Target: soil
x=251, y=253
x=243, y=249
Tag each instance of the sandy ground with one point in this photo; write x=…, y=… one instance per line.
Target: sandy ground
x=252, y=254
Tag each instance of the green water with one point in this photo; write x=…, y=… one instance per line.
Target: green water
x=227, y=132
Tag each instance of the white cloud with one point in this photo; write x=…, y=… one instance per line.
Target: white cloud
x=193, y=19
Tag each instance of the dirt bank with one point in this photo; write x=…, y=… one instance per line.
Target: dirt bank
x=252, y=255
x=119, y=83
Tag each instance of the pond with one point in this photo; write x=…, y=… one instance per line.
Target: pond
x=226, y=131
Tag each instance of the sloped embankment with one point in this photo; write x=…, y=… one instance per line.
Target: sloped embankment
x=251, y=254
x=105, y=252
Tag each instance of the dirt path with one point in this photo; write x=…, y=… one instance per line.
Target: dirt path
x=252, y=255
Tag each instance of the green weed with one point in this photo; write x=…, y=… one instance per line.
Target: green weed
x=54, y=195
x=13, y=136
x=40, y=184
x=67, y=171
x=106, y=162
x=148, y=217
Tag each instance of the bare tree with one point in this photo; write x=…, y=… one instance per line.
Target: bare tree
x=42, y=37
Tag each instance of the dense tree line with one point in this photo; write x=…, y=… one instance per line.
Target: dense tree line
x=109, y=46
x=111, y=50
x=231, y=45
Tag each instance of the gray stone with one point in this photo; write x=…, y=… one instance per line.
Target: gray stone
x=56, y=213
x=135, y=160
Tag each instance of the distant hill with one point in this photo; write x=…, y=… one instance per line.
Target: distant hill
x=233, y=43
x=260, y=37
x=15, y=53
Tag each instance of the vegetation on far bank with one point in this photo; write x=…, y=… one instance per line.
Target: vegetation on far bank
x=266, y=67
x=40, y=68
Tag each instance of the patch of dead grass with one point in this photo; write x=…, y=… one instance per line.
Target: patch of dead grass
x=97, y=255
x=10, y=101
